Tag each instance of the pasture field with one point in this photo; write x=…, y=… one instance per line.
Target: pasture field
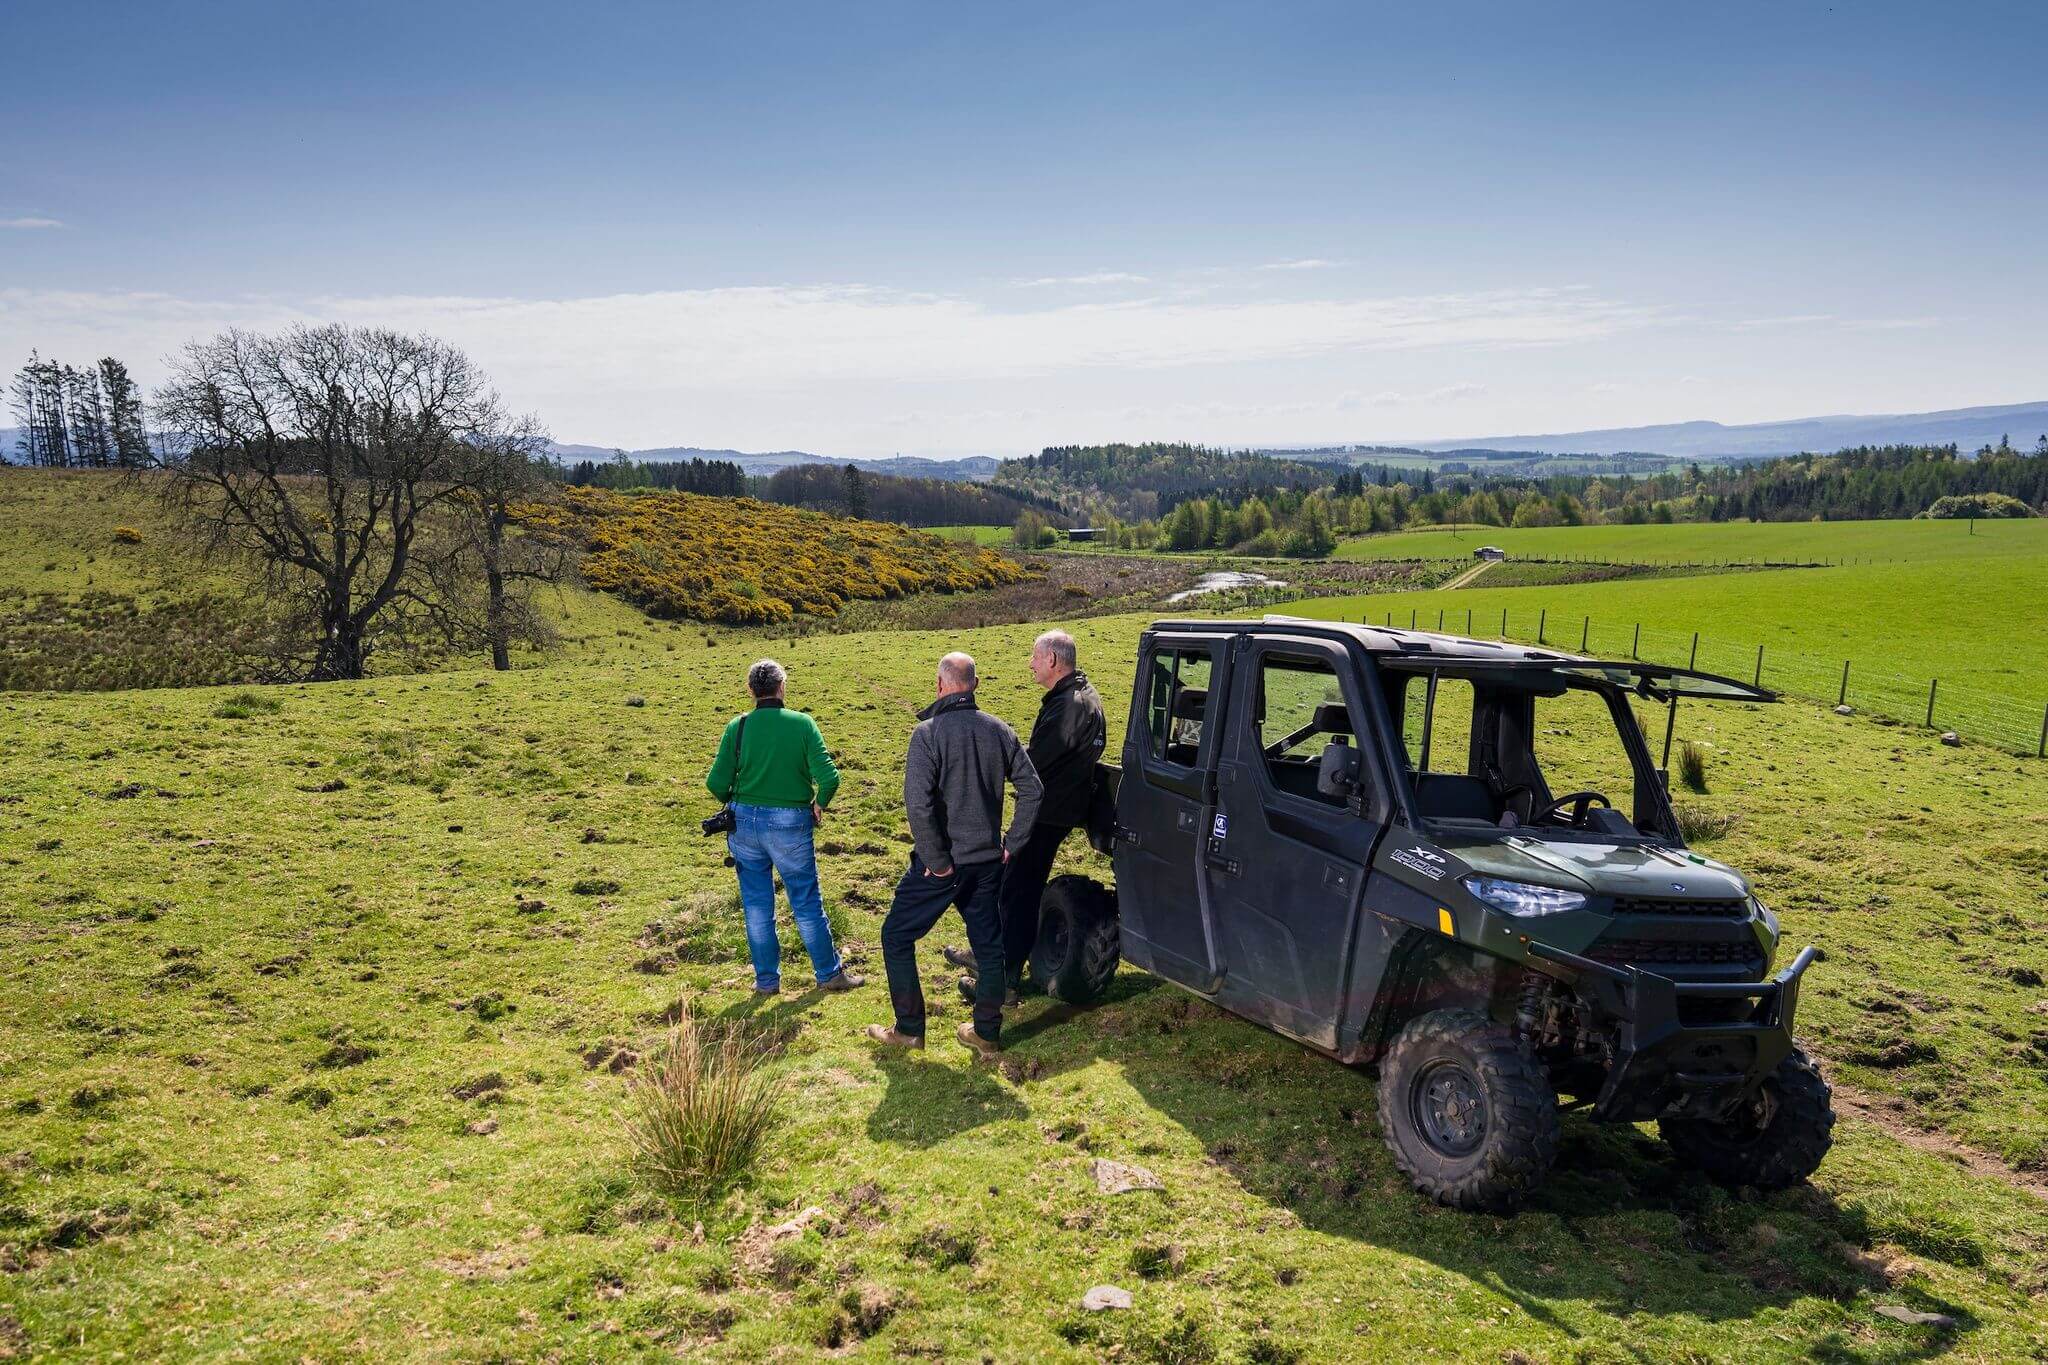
x=1974, y=623
x=990, y=537
x=1720, y=542
x=321, y=1001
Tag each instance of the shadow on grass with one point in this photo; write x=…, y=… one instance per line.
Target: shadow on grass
x=1620, y=1227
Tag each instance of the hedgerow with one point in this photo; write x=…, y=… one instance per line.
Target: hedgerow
x=744, y=562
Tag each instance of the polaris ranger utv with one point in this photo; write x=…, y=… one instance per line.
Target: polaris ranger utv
x=1457, y=859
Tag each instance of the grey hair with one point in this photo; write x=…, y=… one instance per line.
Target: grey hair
x=766, y=678
x=1060, y=645
x=958, y=669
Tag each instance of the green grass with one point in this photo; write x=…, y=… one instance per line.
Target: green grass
x=1972, y=623
x=994, y=537
x=1721, y=542
x=314, y=1048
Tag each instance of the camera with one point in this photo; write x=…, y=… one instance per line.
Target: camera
x=722, y=823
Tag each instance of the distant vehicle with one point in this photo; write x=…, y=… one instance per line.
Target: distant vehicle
x=1474, y=915
x=1489, y=552
x=1081, y=533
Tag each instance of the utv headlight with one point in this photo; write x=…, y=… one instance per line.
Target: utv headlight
x=1523, y=898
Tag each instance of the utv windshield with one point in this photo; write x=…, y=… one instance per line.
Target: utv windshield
x=1550, y=749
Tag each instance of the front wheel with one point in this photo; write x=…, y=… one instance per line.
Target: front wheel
x=1079, y=944
x=1775, y=1141
x=1467, y=1111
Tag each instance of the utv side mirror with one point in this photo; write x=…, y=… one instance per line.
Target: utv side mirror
x=1337, y=774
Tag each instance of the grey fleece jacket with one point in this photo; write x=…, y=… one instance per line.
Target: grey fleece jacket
x=953, y=784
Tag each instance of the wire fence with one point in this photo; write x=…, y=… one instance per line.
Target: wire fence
x=2012, y=723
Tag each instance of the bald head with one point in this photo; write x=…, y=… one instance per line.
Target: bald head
x=956, y=673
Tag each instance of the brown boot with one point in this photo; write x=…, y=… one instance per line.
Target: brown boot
x=885, y=1035
x=985, y=1048
x=842, y=980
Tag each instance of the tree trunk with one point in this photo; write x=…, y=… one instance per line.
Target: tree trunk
x=494, y=578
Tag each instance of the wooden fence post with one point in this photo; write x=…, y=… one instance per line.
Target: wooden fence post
x=1542, y=620
x=1585, y=633
x=1843, y=699
x=2042, y=750
x=1503, y=623
x=1635, y=649
x=1411, y=618
x=1931, y=685
x=1693, y=662
x=1439, y=618
x=1758, y=681
x=1468, y=621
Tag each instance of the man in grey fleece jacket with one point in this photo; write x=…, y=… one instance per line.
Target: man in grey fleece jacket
x=953, y=777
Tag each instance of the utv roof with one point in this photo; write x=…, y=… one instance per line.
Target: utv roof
x=1384, y=639
x=1425, y=651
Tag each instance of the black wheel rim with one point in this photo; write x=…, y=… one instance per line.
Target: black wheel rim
x=1449, y=1108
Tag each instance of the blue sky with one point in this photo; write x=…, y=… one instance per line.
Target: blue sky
x=964, y=228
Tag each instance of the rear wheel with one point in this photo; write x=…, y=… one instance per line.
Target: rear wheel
x=1078, y=943
x=1776, y=1141
x=1467, y=1110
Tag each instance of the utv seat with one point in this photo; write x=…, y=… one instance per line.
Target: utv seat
x=1453, y=796
x=1190, y=708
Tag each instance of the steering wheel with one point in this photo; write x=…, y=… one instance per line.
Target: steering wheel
x=1579, y=802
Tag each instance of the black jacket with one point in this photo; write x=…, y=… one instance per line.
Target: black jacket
x=953, y=784
x=1066, y=742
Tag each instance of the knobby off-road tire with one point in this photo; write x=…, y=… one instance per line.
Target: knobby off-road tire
x=1078, y=941
x=1772, y=1147
x=1467, y=1110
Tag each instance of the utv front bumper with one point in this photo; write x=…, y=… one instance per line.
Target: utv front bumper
x=1694, y=1049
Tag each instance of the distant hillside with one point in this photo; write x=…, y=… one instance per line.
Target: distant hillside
x=969, y=467
x=1966, y=428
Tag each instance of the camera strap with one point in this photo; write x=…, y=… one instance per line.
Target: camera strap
x=739, y=750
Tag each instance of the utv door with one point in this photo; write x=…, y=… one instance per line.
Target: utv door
x=1165, y=803
x=1290, y=846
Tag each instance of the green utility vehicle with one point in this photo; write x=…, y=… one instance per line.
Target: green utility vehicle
x=1458, y=859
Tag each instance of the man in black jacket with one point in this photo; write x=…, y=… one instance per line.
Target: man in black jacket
x=960, y=756
x=1066, y=742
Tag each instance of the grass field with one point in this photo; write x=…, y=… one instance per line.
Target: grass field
x=1970, y=622
x=1721, y=542
x=993, y=537
x=319, y=1016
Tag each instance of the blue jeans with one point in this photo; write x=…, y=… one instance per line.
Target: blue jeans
x=766, y=841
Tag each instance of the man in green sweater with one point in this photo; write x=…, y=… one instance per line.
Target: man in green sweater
x=773, y=770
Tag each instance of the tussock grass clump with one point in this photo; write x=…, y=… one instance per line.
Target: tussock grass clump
x=700, y=1111
x=1698, y=825
x=1692, y=766
x=243, y=705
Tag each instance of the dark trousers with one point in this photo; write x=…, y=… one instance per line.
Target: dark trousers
x=1024, y=879
x=920, y=900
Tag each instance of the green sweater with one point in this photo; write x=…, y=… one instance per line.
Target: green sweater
x=782, y=763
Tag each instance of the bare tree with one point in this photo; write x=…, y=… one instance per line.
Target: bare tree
x=327, y=457
x=485, y=589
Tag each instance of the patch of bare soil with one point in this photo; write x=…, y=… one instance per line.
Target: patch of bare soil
x=1885, y=1115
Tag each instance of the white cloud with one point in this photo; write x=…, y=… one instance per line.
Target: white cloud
x=1788, y=320
x=1893, y=324
x=1305, y=263
x=832, y=367
x=1449, y=393
x=1099, y=277
x=27, y=224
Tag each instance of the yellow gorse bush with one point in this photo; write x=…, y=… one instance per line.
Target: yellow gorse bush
x=742, y=562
